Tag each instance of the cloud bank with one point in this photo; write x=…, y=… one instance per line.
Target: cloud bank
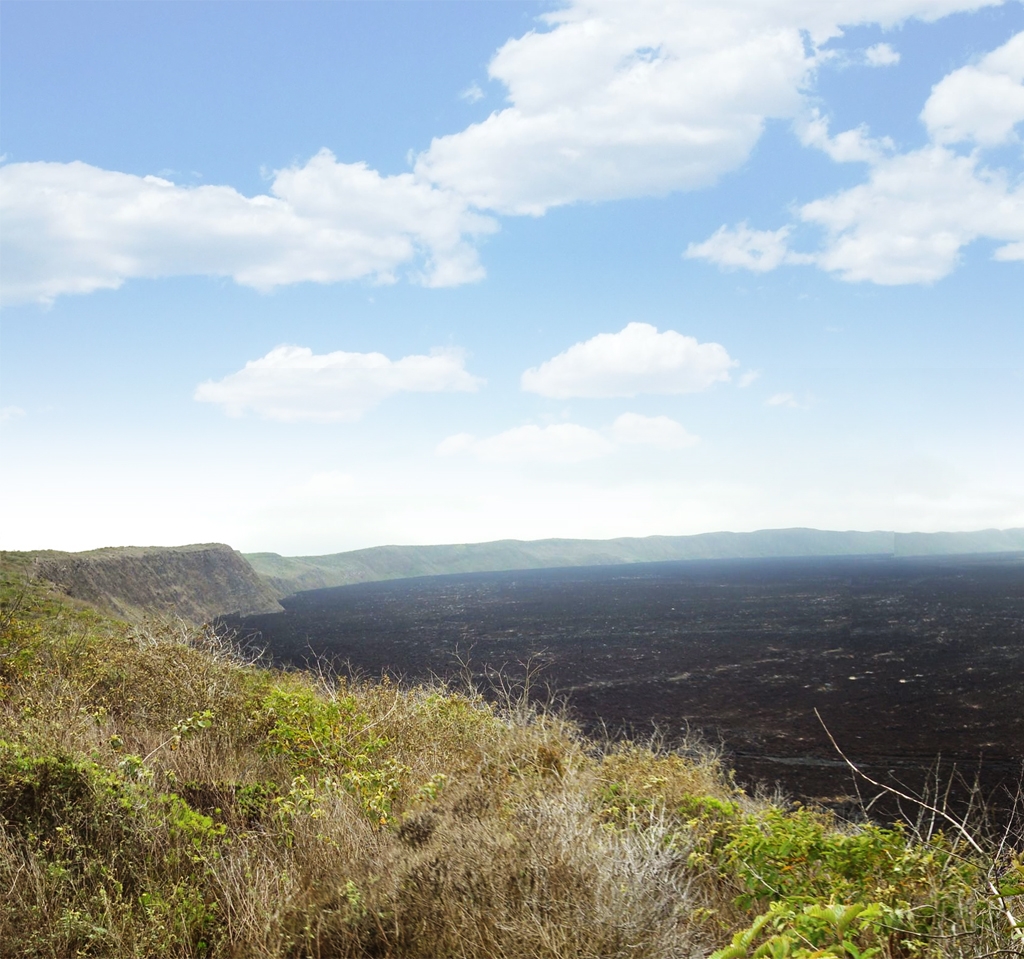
x=75, y=228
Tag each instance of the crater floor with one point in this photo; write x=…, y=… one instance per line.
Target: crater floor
x=916, y=666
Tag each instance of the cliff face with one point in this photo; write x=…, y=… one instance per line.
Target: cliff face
x=197, y=583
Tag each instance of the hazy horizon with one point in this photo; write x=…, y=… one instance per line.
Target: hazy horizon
x=527, y=542
x=310, y=278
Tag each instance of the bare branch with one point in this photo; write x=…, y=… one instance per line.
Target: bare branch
x=952, y=820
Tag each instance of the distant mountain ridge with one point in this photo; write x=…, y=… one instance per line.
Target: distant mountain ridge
x=293, y=574
x=203, y=581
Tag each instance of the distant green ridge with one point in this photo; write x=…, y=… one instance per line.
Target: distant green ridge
x=293, y=574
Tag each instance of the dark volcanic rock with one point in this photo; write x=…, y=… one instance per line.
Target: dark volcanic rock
x=916, y=665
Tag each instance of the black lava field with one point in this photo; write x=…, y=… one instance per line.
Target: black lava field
x=916, y=666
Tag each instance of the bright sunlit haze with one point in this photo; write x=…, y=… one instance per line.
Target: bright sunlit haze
x=312, y=277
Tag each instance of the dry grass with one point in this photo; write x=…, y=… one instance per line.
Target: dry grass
x=162, y=794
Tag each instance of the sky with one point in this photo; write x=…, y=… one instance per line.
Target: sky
x=312, y=277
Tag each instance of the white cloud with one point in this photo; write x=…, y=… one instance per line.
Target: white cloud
x=916, y=211
x=910, y=220
x=622, y=100
x=740, y=246
x=982, y=102
x=292, y=384
x=638, y=359
x=658, y=431
x=850, y=146
x=472, y=93
x=639, y=99
x=748, y=378
x=561, y=443
x=75, y=228
x=569, y=442
x=1012, y=251
x=10, y=413
x=881, y=55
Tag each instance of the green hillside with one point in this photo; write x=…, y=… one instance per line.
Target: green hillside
x=291, y=574
x=945, y=544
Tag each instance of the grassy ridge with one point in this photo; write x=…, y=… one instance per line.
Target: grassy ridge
x=163, y=795
x=292, y=574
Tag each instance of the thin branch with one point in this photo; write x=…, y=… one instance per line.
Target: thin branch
x=954, y=822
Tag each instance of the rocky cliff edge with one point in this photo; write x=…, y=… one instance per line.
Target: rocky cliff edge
x=196, y=583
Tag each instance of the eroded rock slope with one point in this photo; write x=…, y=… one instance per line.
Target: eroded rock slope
x=197, y=583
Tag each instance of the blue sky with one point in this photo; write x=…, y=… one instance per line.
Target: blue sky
x=313, y=277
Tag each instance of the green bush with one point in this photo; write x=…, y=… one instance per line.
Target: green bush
x=802, y=857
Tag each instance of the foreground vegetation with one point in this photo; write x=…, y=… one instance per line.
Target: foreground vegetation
x=161, y=794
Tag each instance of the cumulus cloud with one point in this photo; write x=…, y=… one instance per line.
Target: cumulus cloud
x=740, y=246
x=658, y=431
x=639, y=99
x=75, y=228
x=910, y=220
x=916, y=211
x=638, y=359
x=850, y=146
x=292, y=384
x=982, y=102
x=1011, y=251
x=881, y=55
x=569, y=442
x=622, y=100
